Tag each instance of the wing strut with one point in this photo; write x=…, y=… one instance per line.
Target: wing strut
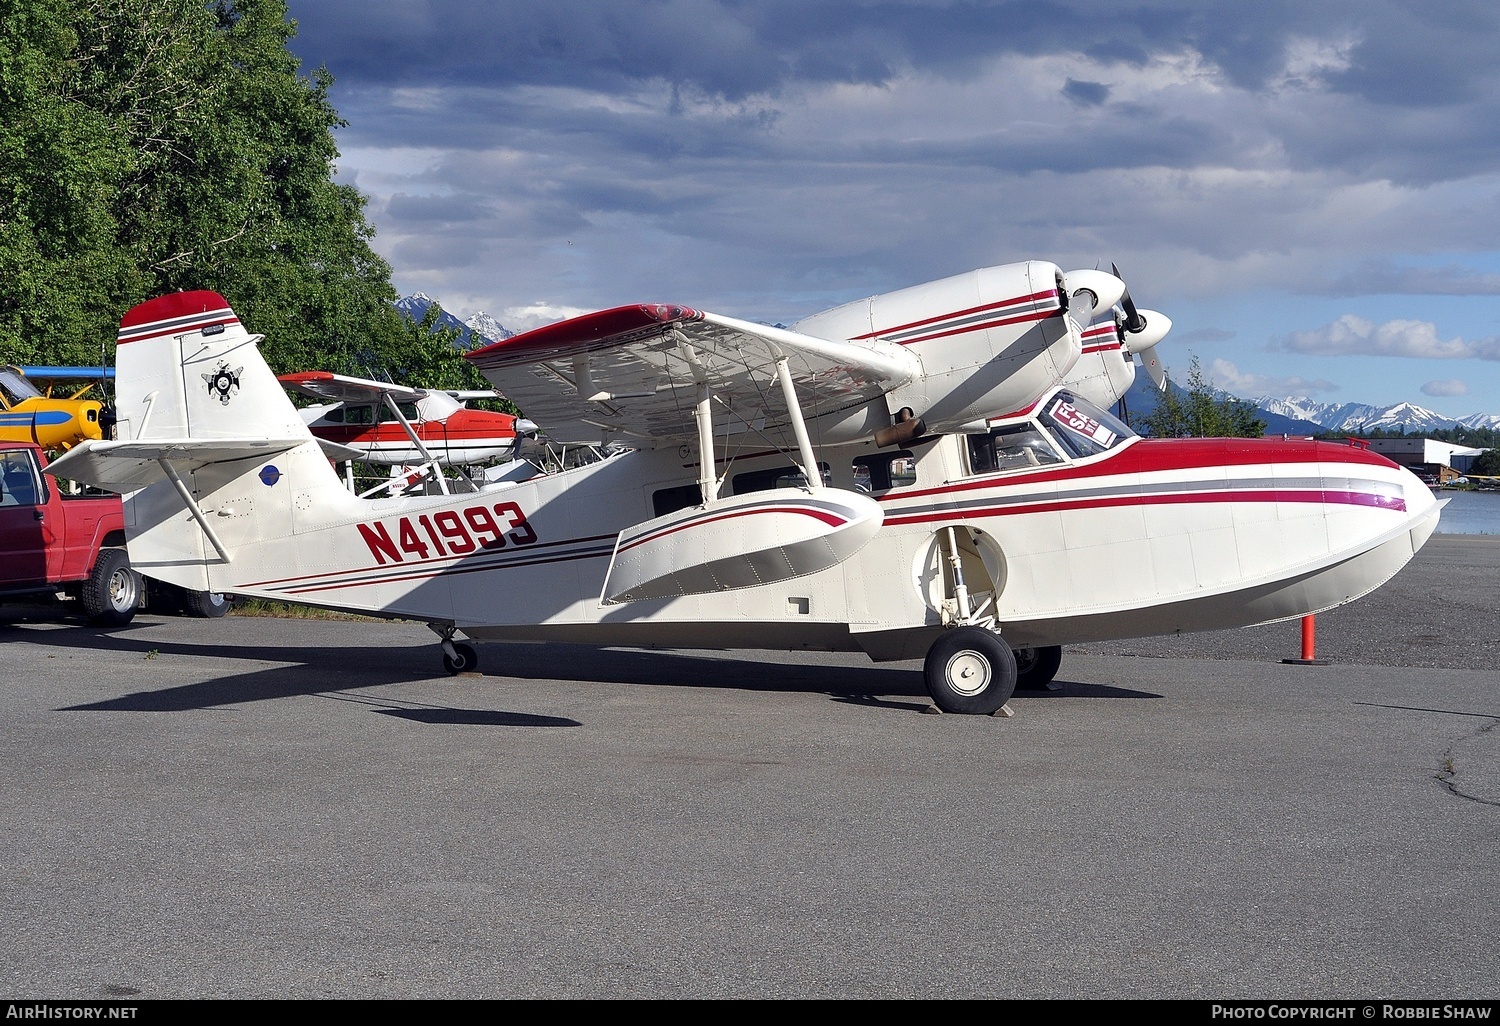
x=192, y=507
x=799, y=426
x=431, y=464
x=703, y=414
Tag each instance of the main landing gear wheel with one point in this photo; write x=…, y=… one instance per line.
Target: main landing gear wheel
x=463, y=660
x=1035, y=667
x=970, y=670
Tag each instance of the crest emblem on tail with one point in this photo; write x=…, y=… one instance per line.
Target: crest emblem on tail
x=223, y=382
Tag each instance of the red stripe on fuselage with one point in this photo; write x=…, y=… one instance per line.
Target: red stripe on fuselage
x=1341, y=498
x=1034, y=297
x=1154, y=455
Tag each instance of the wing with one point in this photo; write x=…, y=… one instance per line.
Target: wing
x=635, y=372
x=340, y=388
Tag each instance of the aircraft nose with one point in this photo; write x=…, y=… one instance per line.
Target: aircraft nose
x=89, y=425
x=1419, y=496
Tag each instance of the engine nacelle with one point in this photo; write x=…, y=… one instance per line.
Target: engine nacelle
x=1105, y=371
x=989, y=341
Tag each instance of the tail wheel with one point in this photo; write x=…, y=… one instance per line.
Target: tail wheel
x=463, y=660
x=206, y=604
x=1035, y=667
x=970, y=670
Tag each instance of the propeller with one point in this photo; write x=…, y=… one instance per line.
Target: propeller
x=1140, y=330
x=107, y=416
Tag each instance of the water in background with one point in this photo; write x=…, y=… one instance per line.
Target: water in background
x=1470, y=512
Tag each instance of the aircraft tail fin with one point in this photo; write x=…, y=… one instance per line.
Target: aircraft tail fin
x=200, y=417
x=186, y=368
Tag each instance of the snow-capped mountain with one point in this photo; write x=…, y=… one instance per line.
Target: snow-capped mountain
x=1407, y=418
x=479, y=330
x=487, y=328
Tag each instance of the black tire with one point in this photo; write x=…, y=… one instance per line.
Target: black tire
x=112, y=592
x=1035, y=667
x=970, y=670
x=467, y=661
x=209, y=605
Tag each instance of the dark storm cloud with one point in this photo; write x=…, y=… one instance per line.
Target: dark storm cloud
x=1418, y=83
x=1090, y=94
x=738, y=48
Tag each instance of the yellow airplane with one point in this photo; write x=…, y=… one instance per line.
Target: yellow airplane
x=26, y=415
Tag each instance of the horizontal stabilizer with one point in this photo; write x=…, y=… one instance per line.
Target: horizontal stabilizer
x=341, y=453
x=130, y=466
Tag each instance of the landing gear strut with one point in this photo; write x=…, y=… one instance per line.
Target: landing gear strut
x=458, y=656
x=970, y=668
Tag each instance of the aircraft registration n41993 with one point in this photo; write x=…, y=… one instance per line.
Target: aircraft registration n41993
x=922, y=474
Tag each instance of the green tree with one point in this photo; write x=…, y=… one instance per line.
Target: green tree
x=152, y=146
x=1487, y=463
x=1202, y=411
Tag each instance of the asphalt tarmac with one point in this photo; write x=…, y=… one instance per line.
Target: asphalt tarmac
x=263, y=808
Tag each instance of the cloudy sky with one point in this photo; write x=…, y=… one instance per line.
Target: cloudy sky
x=1311, y=191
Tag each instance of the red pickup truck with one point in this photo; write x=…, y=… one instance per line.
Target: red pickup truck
x=53, y=541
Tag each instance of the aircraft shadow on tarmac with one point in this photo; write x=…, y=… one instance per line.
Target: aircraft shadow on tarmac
x=353, y=670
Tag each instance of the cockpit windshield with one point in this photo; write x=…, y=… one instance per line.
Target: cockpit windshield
x=1080, y=426
x=15, y=387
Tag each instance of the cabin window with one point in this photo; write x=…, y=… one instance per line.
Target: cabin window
x=777, y=477
x=17, y=479
x=408, y=410
x=1083, y=428
x=1012, y=447
x=885, y=470
x=359, y=414
x=670, y=500
x=335, y=415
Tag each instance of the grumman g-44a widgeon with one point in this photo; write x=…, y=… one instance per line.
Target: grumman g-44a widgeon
x=928, y=473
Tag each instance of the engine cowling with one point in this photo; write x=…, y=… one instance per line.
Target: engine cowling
x=989, y=340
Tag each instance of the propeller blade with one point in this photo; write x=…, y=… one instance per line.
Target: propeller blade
x=1156, y=370
x=1133, y=320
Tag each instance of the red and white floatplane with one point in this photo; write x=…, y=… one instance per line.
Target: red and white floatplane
x=928, y=473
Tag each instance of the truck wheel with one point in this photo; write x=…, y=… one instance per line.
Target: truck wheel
x=207, y=604
x=113, y=590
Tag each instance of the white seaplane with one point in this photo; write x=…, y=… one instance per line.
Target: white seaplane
x=910, y=476
x=401, y=425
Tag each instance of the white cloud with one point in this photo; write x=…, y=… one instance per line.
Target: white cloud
x=1352, y=335
x=524, y=318
x=1230, y=378
x=1449, y=387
